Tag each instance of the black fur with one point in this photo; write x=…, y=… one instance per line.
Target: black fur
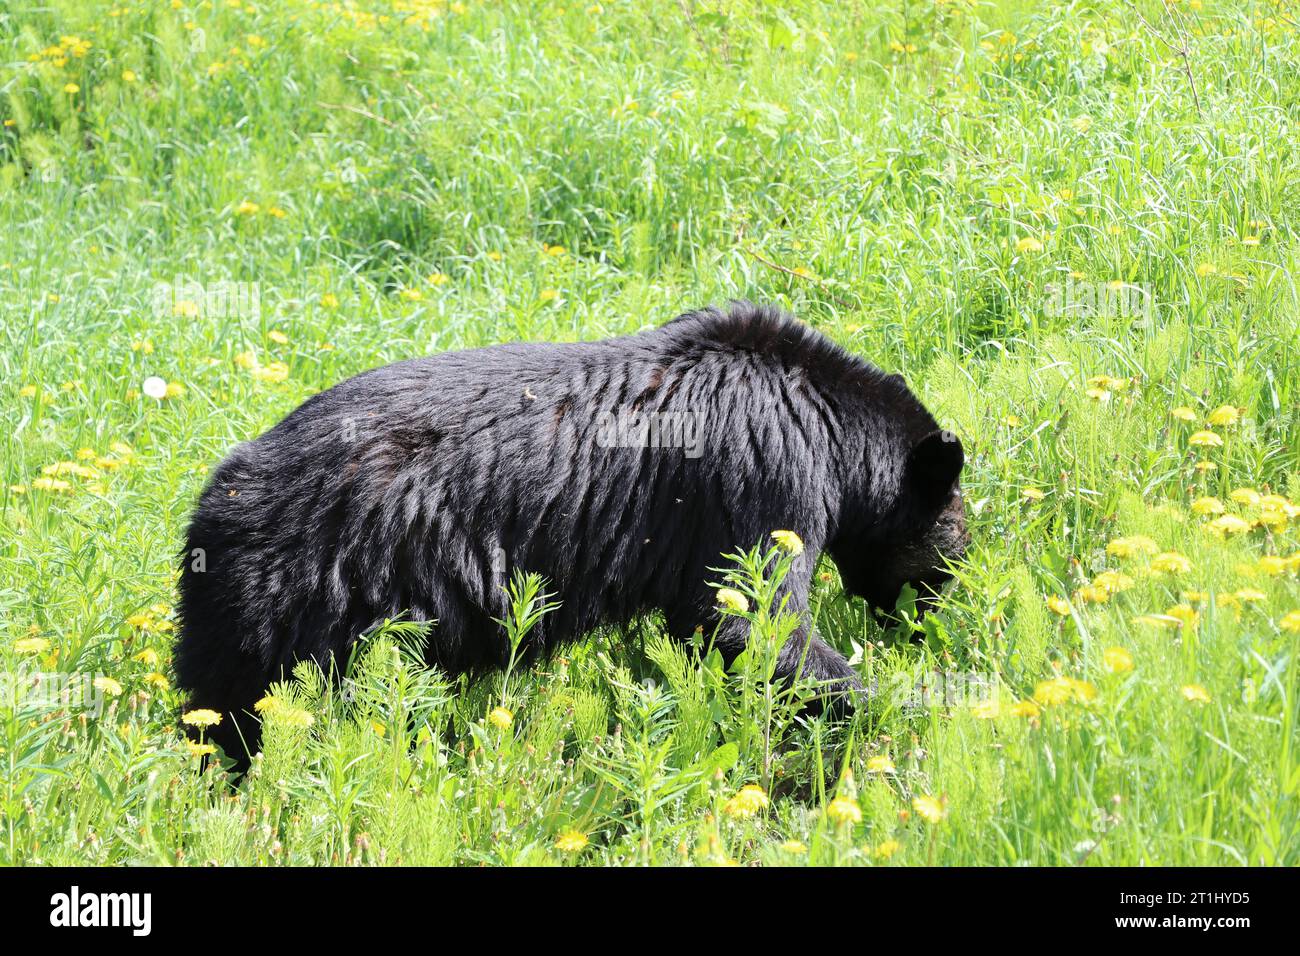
x=403, y=488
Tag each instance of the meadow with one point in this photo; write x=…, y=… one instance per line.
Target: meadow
x=1071, y=226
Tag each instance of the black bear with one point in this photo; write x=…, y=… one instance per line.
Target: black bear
x=622, y=470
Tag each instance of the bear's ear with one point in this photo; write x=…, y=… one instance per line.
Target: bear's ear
x=935, y=464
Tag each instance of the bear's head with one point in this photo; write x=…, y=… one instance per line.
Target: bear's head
x=923, y=532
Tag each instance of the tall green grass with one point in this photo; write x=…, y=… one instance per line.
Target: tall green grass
x=914, y=180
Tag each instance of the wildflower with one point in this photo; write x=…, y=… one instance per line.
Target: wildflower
x=128, y=76
x=844, y=811
x=1171, y=562
x=789, y=542
x=157, y=680
x=31, y=645
x=1186, y=616
x=1206, y=269
x=548, y=295
x=794, y=846
x=747, y=802
x=1058, y=605
x=148, y=657
x=571, y=841
x=930, y=809
x=107, y=685
x=272, y=372
x=1081, y=124
x=1092, y=594
x=1116, y=660
x=1033, y=494
x=329, y=300
x=500, y=718
x=56, y=485
x=247, y=208
x=1112, y=582
x=1195, y=694
x=1183, y=414
x=201, y=718
x=986, y=709
x=888, y=849
x=1205, y=439
x=1207, y=506
x=1250, y=595
x=1224, y=415
x=71, y=88
x=553, y=251
x=733, y=599
x=27, y=391
x=1063, y=690
x=200, y=750
x=880, y=764
x=439, y=278
x=1245, y=496
x=1128, y=547
x=1028, y=244
x=278, y=337
x=1229, y=524
x=1290, y=622
x=1024, y=708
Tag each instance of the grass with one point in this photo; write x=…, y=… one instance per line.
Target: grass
x=953, y=190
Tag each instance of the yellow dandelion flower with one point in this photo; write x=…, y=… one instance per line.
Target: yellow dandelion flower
x=880, y=764
x=1229, y=524
x=571, y=841
x=1033, y=494
x=1058, y=605
x=1195, y=693
x=272, y=372
x=844, y=811
x=1131, y=546
x=1207, y=506
x=794, y=846
x=1224, y=415
x=329, y=300
x=278, y=337
x=930, y=809
x=549, y=295
x=732, y=599
x=986, y=709
x=107, y=685
x=53, y=485
x=201, y=718
x=247, y=208
x=1206, y=269
x=1245, y=496
x=1249, y=595
x=1171, y=562
x=158, y=681
x=789, y=542
x=148, y=657
x=1290, y=622
x=199, y=750
x=1205, y=439
x=27, y=391
x=1274, y=520
x=1116, y=660
x=1081, y=124
x=747, y=802
x=1029, y=244
x=1204, y=466
x=888, y=849
x=1113, y=582
x=292, y=716
x=71, y=88
x=31, y=645
x=500, y=718
x=1091, y=594
x=1024, y=708
x=438, y=278
x=128, y=76
x=1186, y=616
x=1183, y=414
